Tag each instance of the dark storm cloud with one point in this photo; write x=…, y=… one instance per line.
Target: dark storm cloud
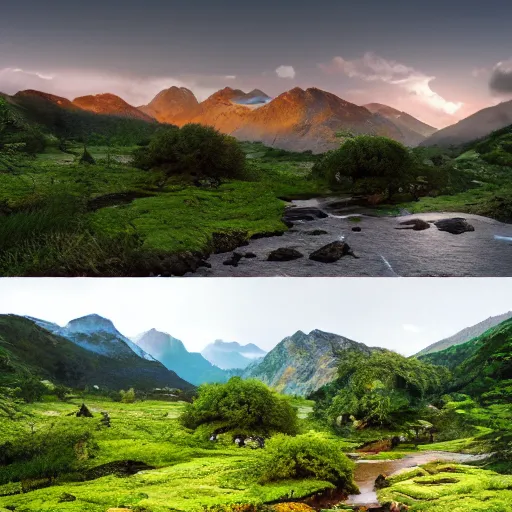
x=501, y=78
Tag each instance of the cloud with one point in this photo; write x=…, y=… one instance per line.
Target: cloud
x=372, y=68
x=230, y=77
x=285, y=72
x=135, y=90
x=477, y=72
x=411, y=328
x=500, y=81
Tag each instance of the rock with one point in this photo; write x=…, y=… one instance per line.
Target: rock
x=284, y=254
x=381, y=482
x=295, y=214
x=66, y=497
x=84, y=412
x=250, y=255
x=455, y=226
x=167, y=265
x=415, y=224
x=233, y=261
x=316, y=232
x=267, y=234
x=356, y=229
x=331, y=252
x=227, y=241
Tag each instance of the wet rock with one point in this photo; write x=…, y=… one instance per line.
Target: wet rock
x=250, y=255
x=267, y=234
x=227, y=241
x=234, y=260
x=331, y=252
x=381, y=482
x=415, y=224
x=356, y=229
x=295, y=214
x=455, y=226
x=316, y=232
x=66, y=497
x=284, y=254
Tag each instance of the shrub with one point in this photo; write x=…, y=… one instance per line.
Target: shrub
x=127, y=397
x=195, y=150
x=247, y=405
x=307, y=456
x=371, y=164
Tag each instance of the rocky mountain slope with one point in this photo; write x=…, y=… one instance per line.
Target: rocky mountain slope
x=171, y=352
x=25, y=344
x=413, y=130
x=231, y=355
x=466, y=334
x=171, y=105
x=112, y=105
x=303, y=363
x=474, y=127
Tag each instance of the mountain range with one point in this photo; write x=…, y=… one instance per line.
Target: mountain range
x=232, y=355
x=91, y=351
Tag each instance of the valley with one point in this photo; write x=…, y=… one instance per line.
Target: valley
x=342, y=426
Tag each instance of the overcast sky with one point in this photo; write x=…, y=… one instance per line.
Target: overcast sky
x=405, y=315
x=434, y=60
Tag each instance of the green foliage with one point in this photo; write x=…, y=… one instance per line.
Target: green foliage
x=307, y=456
x=370, y=164
x=383, y=389
x=248, y=405
x=194, y=150
x=127, y=397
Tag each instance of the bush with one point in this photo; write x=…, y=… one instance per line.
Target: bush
x=127, y=397
x=307, y=456
x=246, y=405
x=195, y=150
x=371, y=164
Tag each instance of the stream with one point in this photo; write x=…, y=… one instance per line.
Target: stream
x=368, y=470
x=382, y=250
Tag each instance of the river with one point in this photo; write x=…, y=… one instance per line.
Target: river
x=382, y=249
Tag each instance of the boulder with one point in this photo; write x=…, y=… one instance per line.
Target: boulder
x=415, y=224
x=233, y=261
x=331, y=252
x=455, y=226
x=356, y=229
x=295, y=214
x=381, y=482
x=250, y=255
x=84, y=412
x=284, y=254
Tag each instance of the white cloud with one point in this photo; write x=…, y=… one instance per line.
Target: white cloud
x=372, y=68
x=230, y=77
x=285, y=72
x=411, y=328
x=477, y=72
x=72, y=83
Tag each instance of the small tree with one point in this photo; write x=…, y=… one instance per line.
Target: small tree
x=127, y=397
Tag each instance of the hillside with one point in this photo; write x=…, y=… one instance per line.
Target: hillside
x=466, y=334
x=482, y=365
x=413, y=130
x=24, y=345
x=171, y=105
x=303, y=363
x=171, y=352
x=476, y=126
x=231, y=355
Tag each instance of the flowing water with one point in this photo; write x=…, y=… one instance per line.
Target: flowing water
x=367, y=471
x=382, y=249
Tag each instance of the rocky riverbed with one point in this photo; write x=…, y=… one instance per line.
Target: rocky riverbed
x=377, y=246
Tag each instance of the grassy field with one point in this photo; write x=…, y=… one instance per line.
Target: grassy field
x=190, y=472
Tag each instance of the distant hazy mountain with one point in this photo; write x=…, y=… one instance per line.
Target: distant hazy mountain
x=31, y=347
x=476, y=126
x=171, y=352
x=171, y=105
x=303, y=363
x=466, y=334
x=413, y=130
x=110, y=104
x=231, y=355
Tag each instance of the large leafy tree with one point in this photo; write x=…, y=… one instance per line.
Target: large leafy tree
x=242, y=404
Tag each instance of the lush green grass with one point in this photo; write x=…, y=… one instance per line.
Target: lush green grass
x=190, y=471
x=441, y=487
